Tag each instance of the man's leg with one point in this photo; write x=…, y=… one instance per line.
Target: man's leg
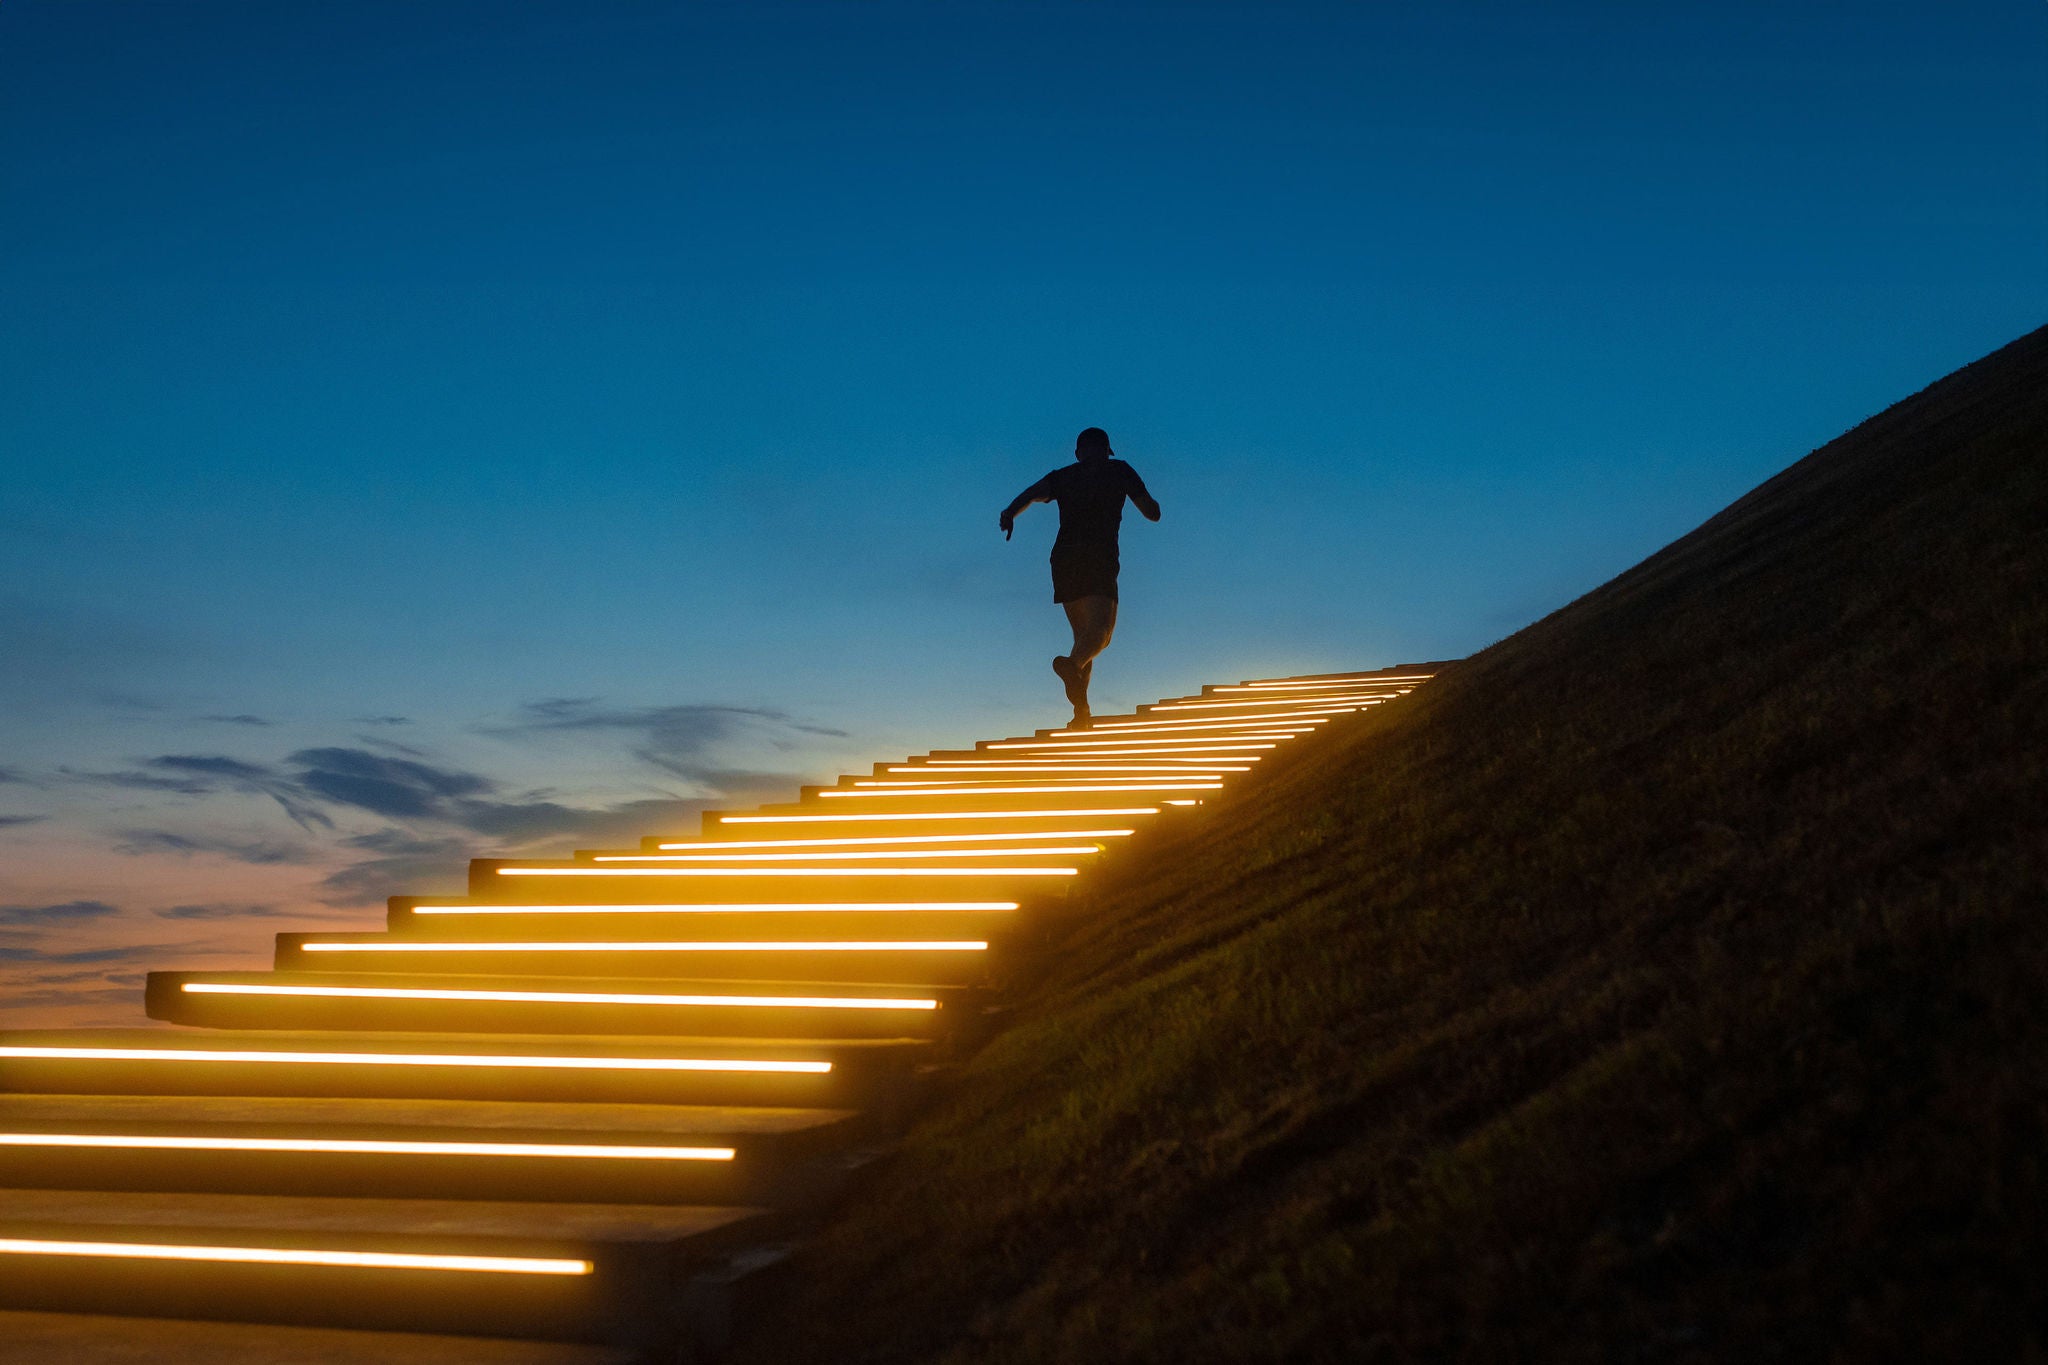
x=1094, y=621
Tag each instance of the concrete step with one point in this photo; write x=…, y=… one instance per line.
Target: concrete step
x=31, y=1338
x=794, y=820
x=603, y=1273
x=918, y=962
x=587, y=1005
x=464, y=917
x=983, y=843
x=565, y=880
x=450, y=1150
x=837, y=1073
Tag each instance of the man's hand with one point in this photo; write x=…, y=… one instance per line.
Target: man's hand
x=1008, y=521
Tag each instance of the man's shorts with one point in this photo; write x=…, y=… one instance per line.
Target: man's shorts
x=1083, y=571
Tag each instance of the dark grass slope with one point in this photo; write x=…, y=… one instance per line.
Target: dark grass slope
x=1668, y=982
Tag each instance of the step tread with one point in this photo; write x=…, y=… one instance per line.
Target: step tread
x=514, y=1044
x=333, y=1214
x=33, y=1338
x=469, y=1115
x=655, y=985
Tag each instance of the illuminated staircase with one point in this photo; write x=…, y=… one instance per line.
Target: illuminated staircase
x=586, y=1102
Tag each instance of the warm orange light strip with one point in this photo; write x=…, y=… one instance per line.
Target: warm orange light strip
x=362, y=1260
x=972, y=782
x=1161, y=763
x=513, y=1060
x=792, y=871
x=1034, y=791
x=961, y=769
x=1307, y=704
x=1223, y=727
x=365, y=1147
x=826, y=1002
x=1194, y=731
x=777, y=907
x=941, y=815
x=1136, y=745
x=709, y=946
x=890, y=840
x=1349, y=680
x=844, y=853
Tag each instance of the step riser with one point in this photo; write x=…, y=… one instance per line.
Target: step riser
x=722, y=925
x=552, y=1180
x=902, y=968
x=573, y=889
x=839, y=1089
x=629, y=1300
x=461, y=1016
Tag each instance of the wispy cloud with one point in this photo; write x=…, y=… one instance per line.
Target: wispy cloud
x=396, y=788
x=221, y=911
x=63, y=913
x=260, y=852
x=16, y=821
x=382, y=720
x=237, y=720
x=218, y=771
x=675, y=739
x=134, y=952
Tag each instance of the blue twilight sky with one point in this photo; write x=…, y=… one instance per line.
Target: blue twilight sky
x=435, y=428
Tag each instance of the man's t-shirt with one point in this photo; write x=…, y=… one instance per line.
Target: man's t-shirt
x=1090, y=494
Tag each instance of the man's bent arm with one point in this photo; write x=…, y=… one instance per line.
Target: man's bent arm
x=1036, y=493
x=1142, y=497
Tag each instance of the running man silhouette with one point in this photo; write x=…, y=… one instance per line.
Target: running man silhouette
x=1090, y=493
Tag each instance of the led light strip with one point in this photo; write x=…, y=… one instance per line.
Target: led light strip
x=792, y=871
x=359, y=1146
x=827, y=1002
x=973, y=782
x=365, y=1260
x=1083, y=849
x=1311, y=703
x=965, y=769
x=517, y=1061
x=779, y=907
x=1148, y=743
x=1033, y=791
x=941, y=815
x=1306, y=718
x=710, y=946
x=892, y=840
x=1360, y=680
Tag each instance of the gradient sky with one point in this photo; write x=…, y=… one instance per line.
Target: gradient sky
x=434, y=428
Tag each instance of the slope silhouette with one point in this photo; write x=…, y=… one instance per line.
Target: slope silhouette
x=1666, y=982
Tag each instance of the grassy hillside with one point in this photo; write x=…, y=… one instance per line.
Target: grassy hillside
x=1668, y=982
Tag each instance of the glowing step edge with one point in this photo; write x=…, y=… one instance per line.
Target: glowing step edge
x=973, y=781
x=791, y=871
x=742, y=908
x=711, y=946
x=362, y=1260
x=815, y=1002
x=941, y=815
x=965, y=771
x=514, y=1061
x=1083, y=850
x=363, y=1147
x=1349, y=699
x=895, y=840
x=1326, y=684
x=1030, y=791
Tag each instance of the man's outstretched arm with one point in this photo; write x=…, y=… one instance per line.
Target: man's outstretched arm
x=1036, y=493
x=1142, y=497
